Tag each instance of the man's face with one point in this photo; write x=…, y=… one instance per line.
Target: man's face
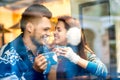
x=41, y=30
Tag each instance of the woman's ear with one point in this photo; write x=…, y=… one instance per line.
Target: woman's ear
x=74, y=36
x=29, y=27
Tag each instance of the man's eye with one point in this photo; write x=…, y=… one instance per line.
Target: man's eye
x=46, y=29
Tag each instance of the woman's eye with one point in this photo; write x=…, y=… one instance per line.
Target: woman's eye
x=59, y=30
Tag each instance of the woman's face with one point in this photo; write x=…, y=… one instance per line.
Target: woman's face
x=60, y=34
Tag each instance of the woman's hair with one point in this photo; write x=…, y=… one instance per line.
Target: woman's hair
x=82, y=46
x=63, y=19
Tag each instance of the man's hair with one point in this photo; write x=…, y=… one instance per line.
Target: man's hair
x=33, y=12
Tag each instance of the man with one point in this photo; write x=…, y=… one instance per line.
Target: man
x=21, y=58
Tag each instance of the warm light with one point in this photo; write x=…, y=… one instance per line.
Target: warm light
x=10, y=17
x=58, y=8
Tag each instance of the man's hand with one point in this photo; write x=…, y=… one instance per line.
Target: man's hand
x=40, y=63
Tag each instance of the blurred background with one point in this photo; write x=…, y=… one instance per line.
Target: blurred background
x=99, y=19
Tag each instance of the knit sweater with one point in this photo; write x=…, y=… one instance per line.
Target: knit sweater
x=69, y=71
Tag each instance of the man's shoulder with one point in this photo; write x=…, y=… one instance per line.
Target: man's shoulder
x=5, y=47
x=9, y=53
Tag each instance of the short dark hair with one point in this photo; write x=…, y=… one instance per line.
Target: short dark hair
x=33, y=12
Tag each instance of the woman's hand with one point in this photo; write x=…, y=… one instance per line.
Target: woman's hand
x=68, y=53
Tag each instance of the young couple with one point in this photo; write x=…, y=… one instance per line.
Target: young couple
x=22, y=58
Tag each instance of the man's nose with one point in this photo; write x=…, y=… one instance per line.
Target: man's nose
x=55, y=33
x=48, y=33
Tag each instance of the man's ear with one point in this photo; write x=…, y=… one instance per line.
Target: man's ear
x=29, y=27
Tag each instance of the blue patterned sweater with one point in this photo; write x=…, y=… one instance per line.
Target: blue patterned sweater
x=16, y=62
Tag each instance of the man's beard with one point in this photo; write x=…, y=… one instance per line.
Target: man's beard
x=40, y=46
x=35, y=42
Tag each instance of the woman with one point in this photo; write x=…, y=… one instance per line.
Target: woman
x=76, y=59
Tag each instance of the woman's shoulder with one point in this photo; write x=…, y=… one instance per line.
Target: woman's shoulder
x=88, y=53
x=90, y=56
